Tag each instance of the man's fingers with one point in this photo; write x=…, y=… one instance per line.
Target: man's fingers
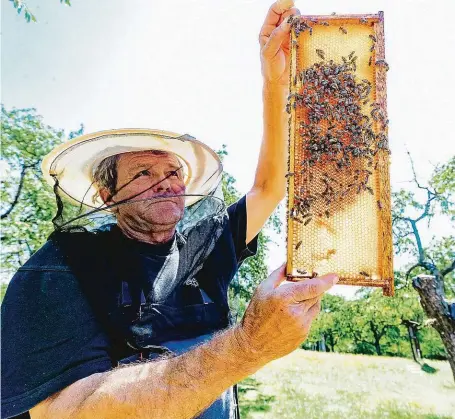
x=308, y=304
x=276, y=38
x=314, y=287
x=313, y=311
x=274, y=17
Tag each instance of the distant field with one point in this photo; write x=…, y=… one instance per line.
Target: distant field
x=316, y=385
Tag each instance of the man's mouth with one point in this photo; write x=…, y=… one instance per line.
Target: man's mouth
x=174, y=199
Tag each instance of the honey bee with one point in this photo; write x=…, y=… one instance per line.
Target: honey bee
x=321, y=54
x=363, y=20
x=291, y=19
x=372, y=37
x=343, y=30
x=379, y=205
x=383, y=63
x=298, y=245
x=370, y=60
x=364, y=274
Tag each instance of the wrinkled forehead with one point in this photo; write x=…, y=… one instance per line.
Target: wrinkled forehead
x=148, y=157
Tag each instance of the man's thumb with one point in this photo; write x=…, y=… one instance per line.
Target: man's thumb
x=276, y=277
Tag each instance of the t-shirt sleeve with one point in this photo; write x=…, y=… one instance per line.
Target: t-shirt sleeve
x=238, y=224
x=50, y=338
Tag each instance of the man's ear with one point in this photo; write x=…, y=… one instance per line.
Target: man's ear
x=106, y=196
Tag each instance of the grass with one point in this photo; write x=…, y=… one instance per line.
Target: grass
x=310, y=385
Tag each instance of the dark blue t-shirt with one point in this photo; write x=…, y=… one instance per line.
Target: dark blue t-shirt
x=51, y=332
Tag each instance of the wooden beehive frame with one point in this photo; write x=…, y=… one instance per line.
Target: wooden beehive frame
x=384, y=278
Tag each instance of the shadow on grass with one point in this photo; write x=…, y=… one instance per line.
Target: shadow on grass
x=429, y=369
x=250, y=398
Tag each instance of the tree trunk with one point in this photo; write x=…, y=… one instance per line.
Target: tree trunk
x=431, y=292
x=377, y=338
x=330, y=342
x=378, y=347
x=322, y=344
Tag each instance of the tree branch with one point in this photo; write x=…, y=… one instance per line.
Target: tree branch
x=418, y=241
x=18, y=192
x=449, y=269
x=428, y=266
x=415, y=177
x=399, y=237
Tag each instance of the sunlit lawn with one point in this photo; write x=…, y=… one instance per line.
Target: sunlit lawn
x=310, y=385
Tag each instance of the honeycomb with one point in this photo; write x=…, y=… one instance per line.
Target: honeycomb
x=338, y=207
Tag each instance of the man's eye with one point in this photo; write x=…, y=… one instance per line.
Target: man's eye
x=142, y=173
x=174, y=173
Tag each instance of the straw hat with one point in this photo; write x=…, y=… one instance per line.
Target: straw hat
x=74, y=161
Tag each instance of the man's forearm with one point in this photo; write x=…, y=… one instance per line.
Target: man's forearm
x=175, y=388
x=272, y=164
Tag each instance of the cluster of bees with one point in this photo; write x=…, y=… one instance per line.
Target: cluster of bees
x=300, y=25
x=340, y=140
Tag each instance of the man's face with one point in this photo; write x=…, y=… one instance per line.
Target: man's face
x=154, y=183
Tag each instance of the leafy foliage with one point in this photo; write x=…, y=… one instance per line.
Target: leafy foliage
x=372, y=324
x=443, y=181
x=253, y=270
x=27, y=203
x=20, y=6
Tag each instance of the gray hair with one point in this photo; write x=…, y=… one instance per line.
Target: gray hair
x=105, y=174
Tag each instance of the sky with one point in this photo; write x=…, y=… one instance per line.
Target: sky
x=192, y=66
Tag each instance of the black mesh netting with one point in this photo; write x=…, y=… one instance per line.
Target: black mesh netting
x=207, y=216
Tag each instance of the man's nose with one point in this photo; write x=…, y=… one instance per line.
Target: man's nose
x=163, y=185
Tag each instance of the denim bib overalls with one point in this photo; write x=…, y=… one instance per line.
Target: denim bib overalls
x=141, y=329
x=158, y=329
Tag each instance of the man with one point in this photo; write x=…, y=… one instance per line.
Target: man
x=145, y=296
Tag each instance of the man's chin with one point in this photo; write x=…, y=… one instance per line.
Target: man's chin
x=170, y=217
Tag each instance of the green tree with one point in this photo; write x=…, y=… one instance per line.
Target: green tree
x=372, y=324
x=379, y=321
x=253, y=270
x=328, y=326
x=409, y=212
x=27, y=203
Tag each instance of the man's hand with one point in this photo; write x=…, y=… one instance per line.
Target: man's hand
x=274, y=42
x=280, y=313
